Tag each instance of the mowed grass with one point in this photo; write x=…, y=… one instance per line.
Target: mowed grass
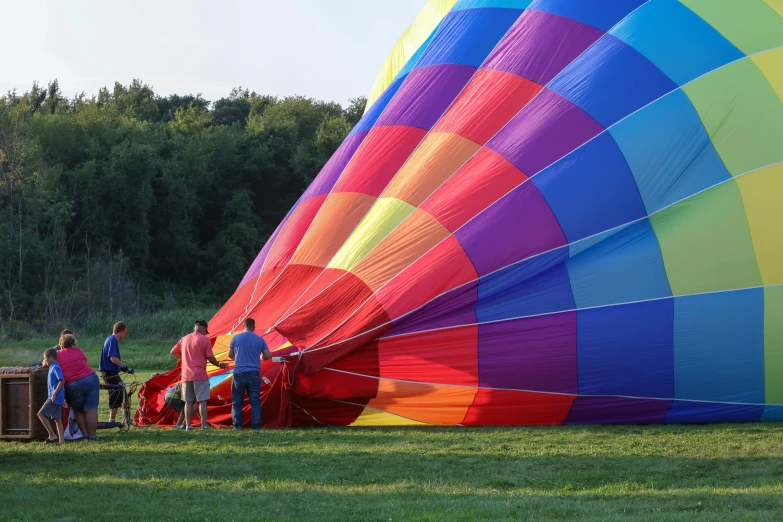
x=146, y=355
x=706, y=472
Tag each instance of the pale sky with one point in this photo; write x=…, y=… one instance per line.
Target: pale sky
x=327, y=49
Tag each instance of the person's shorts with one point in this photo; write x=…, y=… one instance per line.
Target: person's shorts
x=177, y=405
x=84, y=394
x=51, y=410
x=116, y=397
x=195, y=391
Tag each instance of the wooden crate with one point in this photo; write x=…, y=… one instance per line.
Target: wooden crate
x=23, y=391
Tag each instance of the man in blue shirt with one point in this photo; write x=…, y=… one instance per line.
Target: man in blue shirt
x=111, y=365
x=53, y=407
x=247, y=349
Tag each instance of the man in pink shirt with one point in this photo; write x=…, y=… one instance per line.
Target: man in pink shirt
x=194, y=350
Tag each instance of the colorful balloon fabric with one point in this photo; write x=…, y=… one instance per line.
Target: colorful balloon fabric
x=553, y=212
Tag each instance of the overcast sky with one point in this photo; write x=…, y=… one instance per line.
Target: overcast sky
x=328, y=49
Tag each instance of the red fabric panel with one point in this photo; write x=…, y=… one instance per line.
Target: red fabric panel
x=442, y=357
x=293, y=281
x=326, y=411
x=483, y=180
x=516, y=408
x=324, y=279
x=294, y=231
x=235, y=306
x=444, y=267
x=487, y=103
x=325, y=312
x=378, y=159
x=330, y=384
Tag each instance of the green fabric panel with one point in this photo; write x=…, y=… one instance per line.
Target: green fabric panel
x=706, y=244
x=742, y=114
x=751, y=25
x=773, y=344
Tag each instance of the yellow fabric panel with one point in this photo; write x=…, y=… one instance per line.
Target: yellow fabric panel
x=382, y=218
x=373, y=417
x=408, y=44
x=220, y=348
x=338, y=217
x=770, y=64
x=777, y=5
x=439, y=156
x=761, y=195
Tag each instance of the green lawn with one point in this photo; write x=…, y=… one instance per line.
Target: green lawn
x=143, y=355
x=711, y=472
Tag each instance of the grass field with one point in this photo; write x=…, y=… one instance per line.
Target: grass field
x=715, y=472
x=709, y=472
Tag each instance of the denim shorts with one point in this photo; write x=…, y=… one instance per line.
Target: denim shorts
x=84, y=394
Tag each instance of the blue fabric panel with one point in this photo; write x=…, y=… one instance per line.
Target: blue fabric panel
x=611, y=80
x=685, y=412
x=591, y=190
x=467, y=37
x=414, y=60
x=371, y=116
x=623, y=268
x=547, y=292
x=602, y=16
x=719, y=347
x=496, y=283
x=506, y=4
x=676, y=40
x=669, y=152
x=773, y=413
x=627, y=350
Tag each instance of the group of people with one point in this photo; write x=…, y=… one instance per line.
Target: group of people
x=70, y=378
x=246, y=349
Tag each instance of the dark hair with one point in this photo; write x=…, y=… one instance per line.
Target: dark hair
x=250, y=324
x=65, y=332
x=69, y=341
x=119, y=327
x=50, y=352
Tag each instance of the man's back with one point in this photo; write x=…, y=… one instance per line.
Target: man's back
x=247, y=347
x=111, y=348
x=194, y=350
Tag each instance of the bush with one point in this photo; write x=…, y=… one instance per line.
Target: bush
x=170, y=324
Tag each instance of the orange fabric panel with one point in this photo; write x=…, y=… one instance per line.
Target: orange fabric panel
x=378, y=159
x=293, y=231
x=338, y=217
x=417, y=234
x=517, y=408
x=437, y=158
x=430, y=403
x=482, y=181
x=444, y=267
x=486, y=104
x=444, y=357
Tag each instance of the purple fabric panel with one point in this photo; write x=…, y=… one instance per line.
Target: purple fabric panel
x=543, y=132
x=617, y=410
x=453, y=308
x=329, y=175
x=255, y=268
x=518, y=226
x=540, y=45
x=535, y=354
x=426, y=95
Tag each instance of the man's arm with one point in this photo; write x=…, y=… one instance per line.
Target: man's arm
x=215, y=362
x=177, y=350
x=231, y=350
x=117, y=361
x=265, y=354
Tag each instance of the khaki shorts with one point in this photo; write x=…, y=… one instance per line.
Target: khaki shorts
x=195, y=391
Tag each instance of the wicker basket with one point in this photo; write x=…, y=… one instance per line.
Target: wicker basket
x=23, y=391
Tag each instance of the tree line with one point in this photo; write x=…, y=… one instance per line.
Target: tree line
x=127, y=201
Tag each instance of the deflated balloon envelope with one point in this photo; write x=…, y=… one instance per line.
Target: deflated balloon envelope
x=552, y=212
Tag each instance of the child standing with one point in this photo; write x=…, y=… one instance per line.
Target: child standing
x=53, y=407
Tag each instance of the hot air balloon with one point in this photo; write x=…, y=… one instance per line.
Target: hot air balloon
x=552, y=212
